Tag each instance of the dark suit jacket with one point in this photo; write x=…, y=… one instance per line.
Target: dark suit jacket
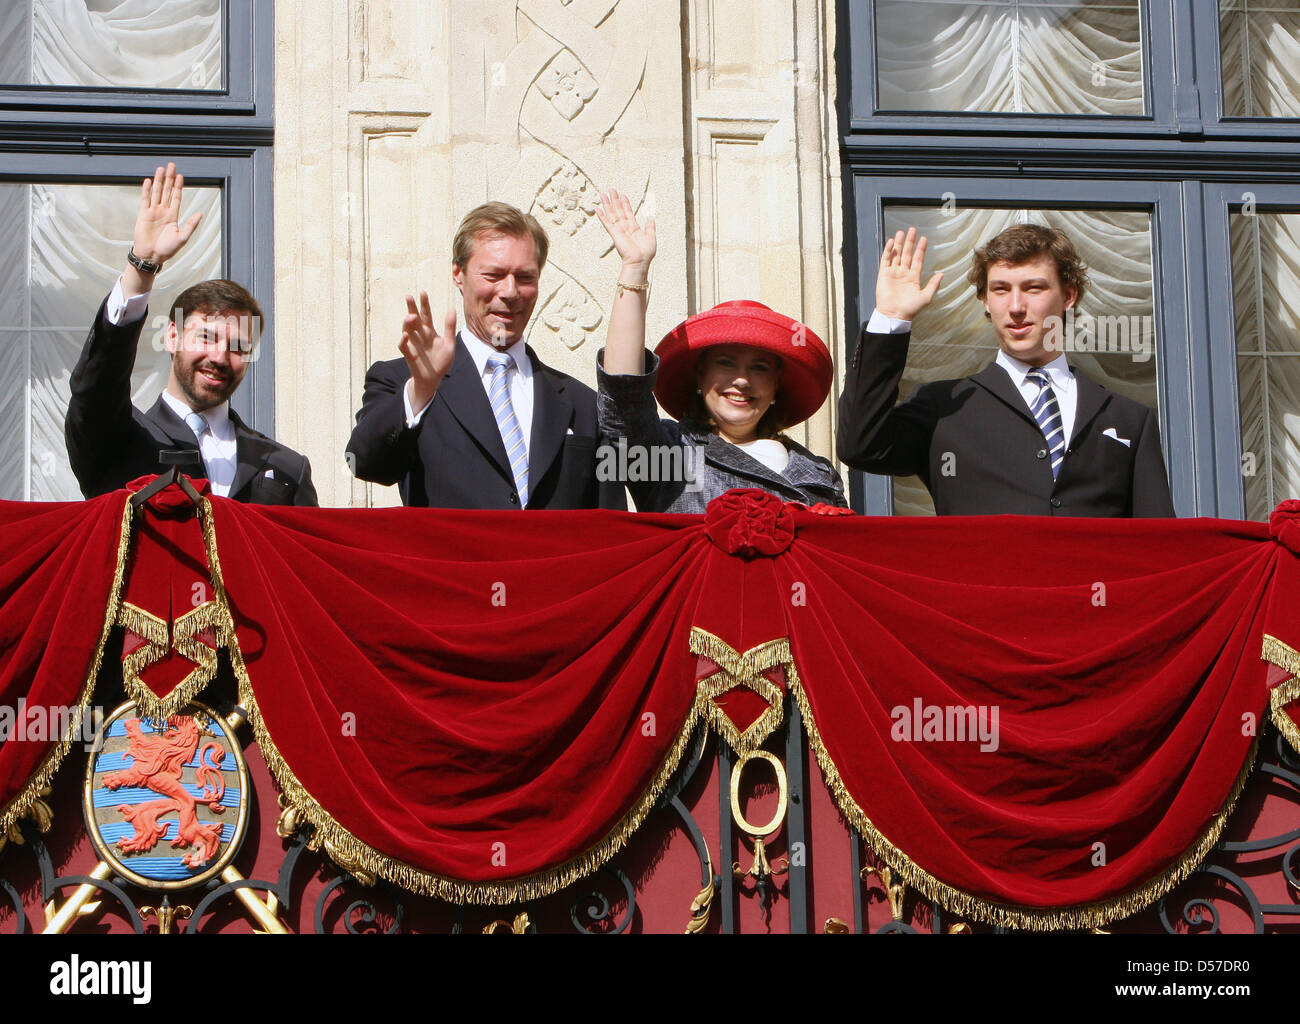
x=454, y=457
x=111, y=442
x=978, y=450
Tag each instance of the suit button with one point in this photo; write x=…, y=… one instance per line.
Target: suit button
x=514, y=497
x=1042, y=453
x=1056, y=503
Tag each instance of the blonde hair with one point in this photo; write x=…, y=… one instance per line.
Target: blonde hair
x=497, y=219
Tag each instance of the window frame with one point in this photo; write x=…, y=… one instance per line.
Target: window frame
x=1207, y=44
x=872, y=493
x=1165, y=114
x=1219, y=201
x=223, y=139
x=245, y=99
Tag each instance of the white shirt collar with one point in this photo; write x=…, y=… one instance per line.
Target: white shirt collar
x=1058, y=370
x=218, y=417
x=479, y=350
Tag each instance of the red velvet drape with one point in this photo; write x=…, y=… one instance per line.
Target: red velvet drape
x=483, y=701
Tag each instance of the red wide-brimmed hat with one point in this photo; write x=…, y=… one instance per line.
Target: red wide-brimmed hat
x=806, y=371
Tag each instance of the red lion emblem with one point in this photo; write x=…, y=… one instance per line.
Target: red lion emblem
x=158, y=761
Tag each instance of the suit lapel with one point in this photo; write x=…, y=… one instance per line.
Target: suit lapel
x=251, y=453
x=734, y=460
x=552, y=414
x=462, y=391
x=997, y=382
x=171, y=426
x=1092, y=397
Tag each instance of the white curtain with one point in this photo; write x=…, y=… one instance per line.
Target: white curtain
x=63, y=247
x=1011, y=56
x=953, y=339
x=144, y=44
x=1259, y=43
x=1266, y=307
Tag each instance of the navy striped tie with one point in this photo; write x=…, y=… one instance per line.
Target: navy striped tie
x=511, y=435
x=1047, y=414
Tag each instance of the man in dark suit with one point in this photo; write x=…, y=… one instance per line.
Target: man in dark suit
x=1029, y=434
x=210, y=336
x=476, y=420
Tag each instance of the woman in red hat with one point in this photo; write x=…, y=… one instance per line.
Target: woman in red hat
x=733, y=376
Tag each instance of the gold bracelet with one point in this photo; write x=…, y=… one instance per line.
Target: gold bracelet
x=630, y=288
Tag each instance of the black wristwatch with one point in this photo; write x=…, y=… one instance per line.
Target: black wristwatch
x=144, y=266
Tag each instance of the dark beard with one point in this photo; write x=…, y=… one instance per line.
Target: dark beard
x=199, y=401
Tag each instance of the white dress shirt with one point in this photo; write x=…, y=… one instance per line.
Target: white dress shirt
x=771, y=453
x=1058, y=373
x=218, y=445
x=519, y=379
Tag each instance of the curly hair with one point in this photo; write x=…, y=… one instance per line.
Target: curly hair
x=1023, y=243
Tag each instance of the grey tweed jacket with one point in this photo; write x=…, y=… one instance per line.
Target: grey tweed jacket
x=681, y=467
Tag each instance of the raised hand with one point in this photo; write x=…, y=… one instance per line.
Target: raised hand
x=428, y=354
x=159, y=235
x=636, y=243
x=899, y=293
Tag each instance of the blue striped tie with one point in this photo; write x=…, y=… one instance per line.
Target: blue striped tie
x=511, y=435
x=1047, y=414
x=197, y=424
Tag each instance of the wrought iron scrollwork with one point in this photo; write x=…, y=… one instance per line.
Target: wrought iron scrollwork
x=1199, y=912
x=362, y=915
x=87, y=884
x=598, y=909
x=702, y=904
x=279, y=892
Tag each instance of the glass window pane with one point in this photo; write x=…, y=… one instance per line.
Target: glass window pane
x=1080, y=57
x=1111, y=340
x=61, y=249
x=1266, y=309
x=1259, y=49
x=112, y=44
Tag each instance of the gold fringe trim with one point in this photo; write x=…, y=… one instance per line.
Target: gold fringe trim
x=361, y=857
x=1287, y=658
x=1282, y=655
x=185, y=642
x=964, y=904
x=745, y=669
x=143, y=624
x=736, y=669
x=29, y=798
x=183, y=639
x=1278, y=700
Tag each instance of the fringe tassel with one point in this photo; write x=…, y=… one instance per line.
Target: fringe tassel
x=975, y=908
x=360, y=857
x=736, y=669
x=29, y=796
x=183, y=638
x=1284, y=657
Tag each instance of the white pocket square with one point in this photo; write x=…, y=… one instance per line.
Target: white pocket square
x=1110, y=432
x=269, y=472
x=568, y=430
